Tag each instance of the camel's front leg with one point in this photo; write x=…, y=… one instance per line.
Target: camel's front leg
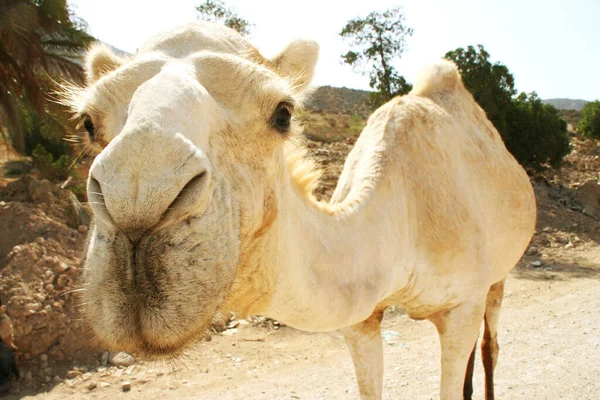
x=364, y=343
x=458, y=330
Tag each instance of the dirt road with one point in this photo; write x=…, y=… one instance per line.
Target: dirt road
x=549, y=339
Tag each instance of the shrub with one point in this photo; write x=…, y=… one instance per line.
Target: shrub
x=48, y=167
x=589, y=124
x=535, y=134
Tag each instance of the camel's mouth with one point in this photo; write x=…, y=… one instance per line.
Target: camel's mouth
x=155, y=298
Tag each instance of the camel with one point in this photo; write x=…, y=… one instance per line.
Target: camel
x=203, y=203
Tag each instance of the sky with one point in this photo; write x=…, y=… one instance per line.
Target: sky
x=550, y=46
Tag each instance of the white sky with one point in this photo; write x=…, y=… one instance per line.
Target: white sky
x=550, y=46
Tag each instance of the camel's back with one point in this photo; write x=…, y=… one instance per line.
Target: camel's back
x=465, y=203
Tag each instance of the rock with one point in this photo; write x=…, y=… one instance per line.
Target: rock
x=47, y=379
x=62, y=281
x=592, y=212
x=104, y=359
x=82, y=228
x=39, y=240
x=92, y=385
x=56, y=379
x=104, y=384
x=44, y=357
x=120, y=359
x=73, y=374
x=126, y=386
x=60, y=268
x=537, y=263
x=569, y=246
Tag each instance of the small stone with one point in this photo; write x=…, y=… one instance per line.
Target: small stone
x=47, y=379
x=28, y=376
x=120, y=359
x=56, y=379
x=104, y=359
x=537, y=263
x=60, y=268
x=72, y=374
x=104, y=384
x=82, y=228
x=62, y=281
x=49, y=287
x=86, y=376
x=126, y=386
x=39, y=240
x=569, y=246
x=92, y=385
x=44, y=357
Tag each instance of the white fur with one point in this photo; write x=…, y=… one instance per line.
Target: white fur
x=430, y=211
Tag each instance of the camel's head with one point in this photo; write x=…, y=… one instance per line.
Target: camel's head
x=189, y=138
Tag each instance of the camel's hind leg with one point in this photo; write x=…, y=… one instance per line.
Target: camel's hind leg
x=458, y=330
x=489, y=345
x=468, y=385
x=364, y=342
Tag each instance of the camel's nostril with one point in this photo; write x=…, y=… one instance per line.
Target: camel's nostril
x=96, y=198
x=192, y=195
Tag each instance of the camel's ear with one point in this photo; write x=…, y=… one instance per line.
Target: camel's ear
x=297, y=62
x=99, y=61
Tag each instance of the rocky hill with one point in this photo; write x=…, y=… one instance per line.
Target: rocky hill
x=566, y=104
x=334, y=100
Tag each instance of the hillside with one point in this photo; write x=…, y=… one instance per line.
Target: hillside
x=334, y=100
x=566, y=104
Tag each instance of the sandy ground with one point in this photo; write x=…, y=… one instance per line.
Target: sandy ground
x=549, y=339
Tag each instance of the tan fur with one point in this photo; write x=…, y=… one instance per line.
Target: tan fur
x=203, y=206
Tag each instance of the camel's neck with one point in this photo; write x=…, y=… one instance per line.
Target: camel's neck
x=324, y=270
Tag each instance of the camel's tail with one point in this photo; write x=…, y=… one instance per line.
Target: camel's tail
x=443, y=76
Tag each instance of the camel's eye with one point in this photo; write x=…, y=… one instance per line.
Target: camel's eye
x=89, y=126
x=282, y=117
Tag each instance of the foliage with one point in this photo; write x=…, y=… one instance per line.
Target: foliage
x=378, y=39
x=492, y=85
x=217, y=11
x=589, y=125
x=355, y=124
x=50, y=168
x=38, y=39
x=532, y=131
x=535, y=134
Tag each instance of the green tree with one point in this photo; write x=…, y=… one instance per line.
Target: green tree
x=378, y=39
x=217, y=11
x=535, y=134
x=40, y=40
x=589, y=124
x=492, y=85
